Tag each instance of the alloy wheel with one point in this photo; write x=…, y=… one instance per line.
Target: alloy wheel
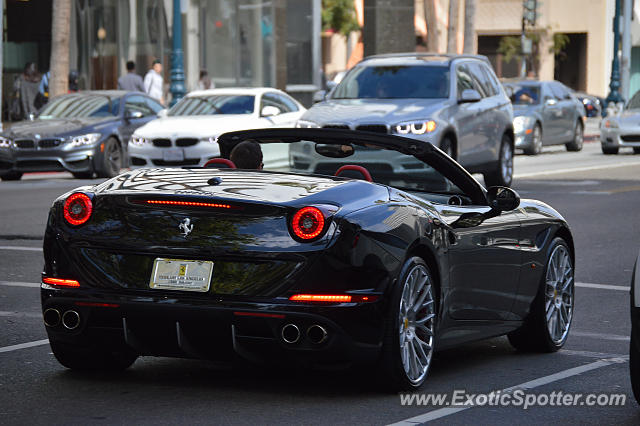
x=114, y=158
x=506, y=162
x=416, y=324
x=537, y=139
x=559, y=288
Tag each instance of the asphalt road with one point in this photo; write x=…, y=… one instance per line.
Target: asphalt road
x=598, y=195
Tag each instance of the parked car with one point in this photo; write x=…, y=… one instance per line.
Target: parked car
x=592, y=104
x=622, y=130
x=545, y=113
x=453, y=101
x=85, y=133
x=187, y=135
x=302, y=268
x=634, y=346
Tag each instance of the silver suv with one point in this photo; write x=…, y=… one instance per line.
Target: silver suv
x=453, y=101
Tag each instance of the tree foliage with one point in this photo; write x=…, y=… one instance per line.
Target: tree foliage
x=339, y=16
x=510, y=46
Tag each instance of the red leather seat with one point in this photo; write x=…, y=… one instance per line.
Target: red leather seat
x=355, y=172
x=220, y=163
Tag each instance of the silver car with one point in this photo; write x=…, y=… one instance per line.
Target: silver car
x=453, y=101
x=545, y=113
x=622, y=130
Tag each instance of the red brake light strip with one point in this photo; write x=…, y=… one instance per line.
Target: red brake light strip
x=61, y=282
x=189, y=204
x=334, y=298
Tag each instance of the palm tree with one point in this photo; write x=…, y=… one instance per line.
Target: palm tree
x=452, y=30
x=433, y=39
x=469, y=26
x=59, y=66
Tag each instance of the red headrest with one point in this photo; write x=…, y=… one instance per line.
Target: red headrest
x=364, y=172
x=217, y=162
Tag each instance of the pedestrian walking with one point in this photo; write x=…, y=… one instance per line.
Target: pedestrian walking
x=153, y=82
x=204, y=83
x=131, y=81
x=25, y=92
x=43, y=90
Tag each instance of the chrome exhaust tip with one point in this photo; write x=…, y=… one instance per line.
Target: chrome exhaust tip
x=317, y=334
x=51, y=317
x=290, y=333
x=71, y=320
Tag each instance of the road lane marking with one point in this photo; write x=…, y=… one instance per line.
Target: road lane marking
x=575, y=170
x=602, y=336
x=19, y=314
x=19, y=284
x=588, y=354
x=604, y=286
x=24, y=345
x=19, y=248
x=532, y=384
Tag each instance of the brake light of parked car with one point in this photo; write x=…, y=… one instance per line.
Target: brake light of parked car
x=308, y=223
x=333, y=298
x=60, y=282
x=77, y=209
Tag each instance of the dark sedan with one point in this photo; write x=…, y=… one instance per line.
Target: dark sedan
x=545, y=113
x=85, y=133
x=362, y=265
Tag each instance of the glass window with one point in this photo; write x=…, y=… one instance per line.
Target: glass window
x=465, y=80
x=138, y=103
x=483, y=74
x=78, y=106
x=394, y=82
x=290, y=104
x=634, y=103
x=299, y=44
x=211, y=105
x=278, y=101
x=559, y=91
x=524, y=94
x=154, y=105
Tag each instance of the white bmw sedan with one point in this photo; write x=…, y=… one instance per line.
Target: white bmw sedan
x=187, y=135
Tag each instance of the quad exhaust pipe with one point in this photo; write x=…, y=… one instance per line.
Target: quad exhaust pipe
x=71, y=320
x=317, y=334
x=290, y=333
x=51, y=317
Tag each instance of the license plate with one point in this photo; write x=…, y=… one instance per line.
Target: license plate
x=185, y=275
x=173, y=154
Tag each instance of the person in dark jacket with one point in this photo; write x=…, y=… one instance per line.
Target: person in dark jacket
x=131, y=81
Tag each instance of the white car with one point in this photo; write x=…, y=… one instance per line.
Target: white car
x=187, y=135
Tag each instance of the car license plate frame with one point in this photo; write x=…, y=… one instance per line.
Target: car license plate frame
x=181, y=275
x=173, y=154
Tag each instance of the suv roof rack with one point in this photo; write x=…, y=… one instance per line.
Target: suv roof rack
x=448, y=56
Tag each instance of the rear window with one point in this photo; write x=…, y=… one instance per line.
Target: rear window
x=394, y=82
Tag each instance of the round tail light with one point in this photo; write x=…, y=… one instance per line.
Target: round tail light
x=77, y=209
x=308, y=223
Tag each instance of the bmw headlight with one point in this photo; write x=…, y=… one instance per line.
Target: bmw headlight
x=522, y=123
x=87, y=139
x=5, y=142
x=415, y=127
x=138, y=140
x=212, y=139
x=611, y=124
x=304, y=124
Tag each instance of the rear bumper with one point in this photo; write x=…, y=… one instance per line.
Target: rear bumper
x=220, y=330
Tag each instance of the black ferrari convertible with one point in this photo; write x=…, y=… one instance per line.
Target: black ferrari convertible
x=358, y=248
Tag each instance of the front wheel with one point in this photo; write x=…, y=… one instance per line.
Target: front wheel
x=536, y=141
x=111, y=159
x=636, y=149
x=609, y=150
x=410, y=327
x=502, y=175
x=578, y=139
x=546, y=328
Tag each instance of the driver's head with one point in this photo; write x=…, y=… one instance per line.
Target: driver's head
x=247, y=155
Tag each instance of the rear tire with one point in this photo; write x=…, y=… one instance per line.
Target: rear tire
x=92, y=359
x=82, y=175
x=111, y=159
x=502, y=175
x=636, y=149
x=409, y=328
x=578, y=139
x=11, y=176
x=634, y=364
x=536, y=141
x=547, y=326
x=609, y=150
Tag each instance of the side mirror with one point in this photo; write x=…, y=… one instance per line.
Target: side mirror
x=269, y=111
x=162, y=113
x=132, y=115
x=468, y=96
x=31, y=116
x=502, y=199
x=319, y=96
x=550, y=102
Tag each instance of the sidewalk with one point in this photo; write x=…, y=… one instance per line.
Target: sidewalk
x=592, y=129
